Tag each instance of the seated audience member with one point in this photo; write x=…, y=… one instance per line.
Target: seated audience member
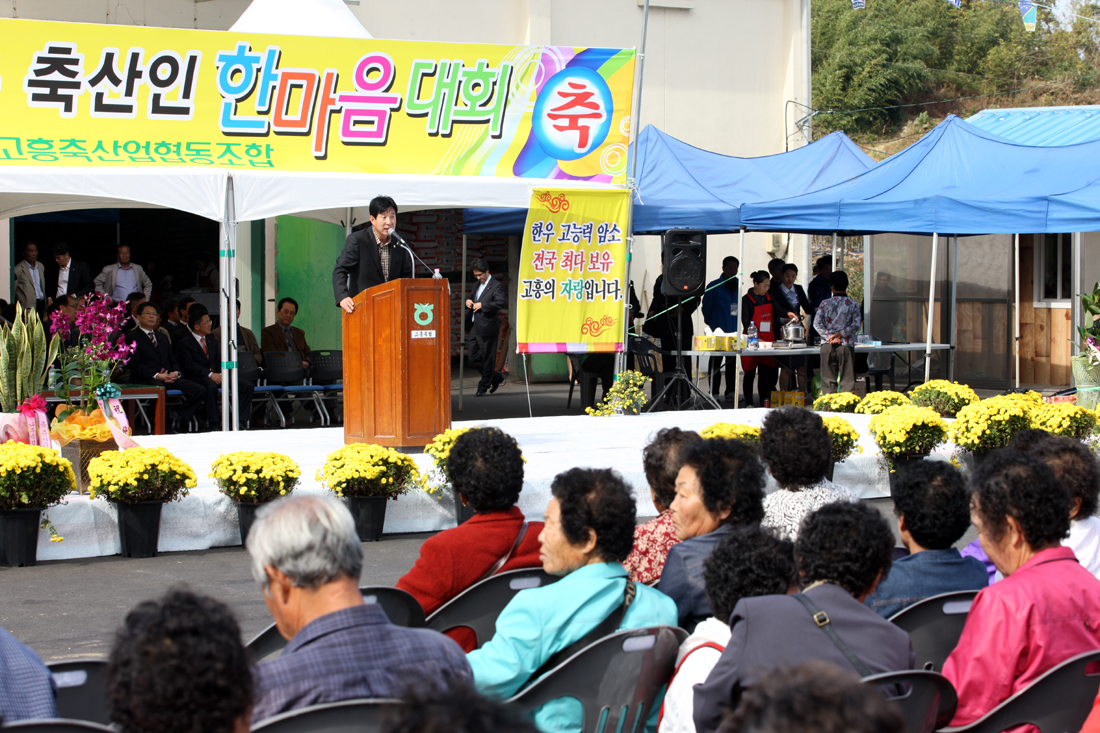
x=720, y=486
x=153, y=362
x=1077, y=468
x=797, y=450
x=178, y=665
x=26, y=688
x=246, y=340
x=282, y=337
x=653, y=539
x=173, y=323
x=133, y=302
x=816, y=697
x=307, y=558
x=750, y=561
x=1047, y=608
x=64, y=307
x=486, y=470
x=200, y=361
x=843, y=549
x=589, y=530
x=933, y=511
x=459, y=709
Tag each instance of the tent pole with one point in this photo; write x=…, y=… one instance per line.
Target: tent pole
x=737, y=324
x=1076, y=314
x=954, y=307
x=931, y=309
x=231, y=316
x=462, y=329
x=833, y=255
x=1016, y=317
x=224, y=253
x=347, y=223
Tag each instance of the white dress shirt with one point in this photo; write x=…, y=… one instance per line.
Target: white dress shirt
x=63, y=280
x=479, y=292
x=37, y=281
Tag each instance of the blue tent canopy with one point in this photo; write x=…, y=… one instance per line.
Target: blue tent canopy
x=957, y=180
x=680, y=185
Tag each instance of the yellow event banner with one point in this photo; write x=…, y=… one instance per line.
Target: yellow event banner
x=77, y=94
x=573, y=272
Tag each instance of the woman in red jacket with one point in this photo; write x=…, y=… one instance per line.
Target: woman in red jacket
x=486, y=471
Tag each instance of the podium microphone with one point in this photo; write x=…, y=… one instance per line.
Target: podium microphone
x=412, y=255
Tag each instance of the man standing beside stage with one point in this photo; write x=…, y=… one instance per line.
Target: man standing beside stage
x=30, y=280
x=123, y=277
x=838, y=320
x=489, y=299
x=73, y=277
x=370, y=255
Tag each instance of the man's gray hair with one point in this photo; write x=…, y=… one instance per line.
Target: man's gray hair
x=310, y=538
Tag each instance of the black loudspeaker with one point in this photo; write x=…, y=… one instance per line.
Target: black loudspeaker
x=684, y=257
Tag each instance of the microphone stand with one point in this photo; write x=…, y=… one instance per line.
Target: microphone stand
x=412, y=255
x=680, y=374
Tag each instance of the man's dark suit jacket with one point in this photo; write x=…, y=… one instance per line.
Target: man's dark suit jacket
x=783, y=306
x=486, y=325
x=80, y=280
x=272, y=339
x=360, y=267
x=148, y=360
x=773, y=631
x=194, y=364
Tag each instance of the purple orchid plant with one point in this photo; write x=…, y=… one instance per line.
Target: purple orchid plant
x=99, y=351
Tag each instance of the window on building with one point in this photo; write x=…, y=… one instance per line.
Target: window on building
x=1054, y=271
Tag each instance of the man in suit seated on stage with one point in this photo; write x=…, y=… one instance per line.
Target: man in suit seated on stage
x=370, y=257
x=154, y=363
x=489, y=299
x=73, y=278
x=246, y=340
x=200, y=361
x=281, y=336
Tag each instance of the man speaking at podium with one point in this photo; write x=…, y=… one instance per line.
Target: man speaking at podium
x=371, y=256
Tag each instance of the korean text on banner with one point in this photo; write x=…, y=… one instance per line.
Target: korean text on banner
x=572, y=272
x=119, y=96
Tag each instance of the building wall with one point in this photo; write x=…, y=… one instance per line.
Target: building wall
x=1045, y=333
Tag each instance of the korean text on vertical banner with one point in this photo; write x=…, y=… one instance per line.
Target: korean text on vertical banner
x=572, y=272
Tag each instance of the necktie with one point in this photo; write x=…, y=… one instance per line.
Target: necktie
x=289, y=340
x=203, y=344
x=153, y=338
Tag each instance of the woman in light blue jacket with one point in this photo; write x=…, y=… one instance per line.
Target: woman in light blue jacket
x=589, y=532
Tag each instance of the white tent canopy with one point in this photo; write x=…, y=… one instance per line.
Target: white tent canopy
x=329, y=18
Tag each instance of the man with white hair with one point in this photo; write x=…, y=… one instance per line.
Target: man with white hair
x=307, y=558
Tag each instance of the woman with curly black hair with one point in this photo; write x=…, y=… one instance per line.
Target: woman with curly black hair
x=486, y=471
x=720, y=486
x=1047, y=608
x=589, y=532
x=178, y=664
x=797, y=448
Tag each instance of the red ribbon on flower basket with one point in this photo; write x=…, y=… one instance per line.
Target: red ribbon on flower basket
x=107, y=396
x=38, y=427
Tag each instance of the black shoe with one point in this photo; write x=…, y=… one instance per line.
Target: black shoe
x=480, y=394
x=498, y=378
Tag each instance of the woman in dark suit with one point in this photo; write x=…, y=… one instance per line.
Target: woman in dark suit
x=791, y=303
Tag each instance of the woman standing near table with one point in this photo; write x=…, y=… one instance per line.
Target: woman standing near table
x=757, y=310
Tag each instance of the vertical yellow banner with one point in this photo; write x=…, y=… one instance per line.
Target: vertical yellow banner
x=573, y=272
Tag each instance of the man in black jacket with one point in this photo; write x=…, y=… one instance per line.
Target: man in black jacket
x=489, y=300
x=74, y=277
x=200, y=361
x=370, y=256
x=154, y=363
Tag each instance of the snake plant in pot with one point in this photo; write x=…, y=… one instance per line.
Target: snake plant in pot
x=1086, y=365
x=25, y=357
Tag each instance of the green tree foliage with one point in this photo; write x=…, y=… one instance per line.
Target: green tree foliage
x=874, y=69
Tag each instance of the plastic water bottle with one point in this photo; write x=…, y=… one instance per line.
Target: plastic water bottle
x=436, y=275
x=752, y=337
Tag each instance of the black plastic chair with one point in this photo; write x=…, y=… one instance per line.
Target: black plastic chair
x=82, y=690
x=285, y=369
x=1057, y=702
x=587, y=381
x=478, y=607
x=935, y=625
x=400, y=607
x=58, y=725
x=616, y=679
x=927, y=699
x=347, y=716
x=327, y=374
x=645, y=359
x=252, y=371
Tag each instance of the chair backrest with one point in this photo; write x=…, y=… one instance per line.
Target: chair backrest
x=639, y=345
x=401, y=608
x=82, y=690
x=616, y=679
x=478, y=607
x=247, y=366
x=58, y=725
x=326, y=366
x=927, y=699
x=284, y=366
x=935, y=625
x=347, y=716
x=1057, y=702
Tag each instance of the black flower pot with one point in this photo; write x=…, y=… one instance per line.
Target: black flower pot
x=900, y=464
x=829, y=468
x=246, y=515
x=19, y=537
x=369, y=513
x=462, y=511
x=139, y=527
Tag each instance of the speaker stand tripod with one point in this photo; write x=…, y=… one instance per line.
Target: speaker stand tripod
x=680, y=374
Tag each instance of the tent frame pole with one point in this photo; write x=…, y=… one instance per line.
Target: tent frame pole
x=228, y=326
x=462, y=330
x=1076, y=314
x=931, y=309
x=1016, y=316
x=737, y=325
x=836, y=264
x=954, y=307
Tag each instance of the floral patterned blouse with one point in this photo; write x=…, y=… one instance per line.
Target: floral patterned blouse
x=784, y=510
x=652, y=541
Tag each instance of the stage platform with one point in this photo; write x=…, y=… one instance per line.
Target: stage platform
x=207, y=519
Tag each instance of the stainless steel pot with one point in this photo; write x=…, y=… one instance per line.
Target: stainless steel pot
x=794, y=331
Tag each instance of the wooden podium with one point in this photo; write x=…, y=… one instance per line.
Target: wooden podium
x=397, y=364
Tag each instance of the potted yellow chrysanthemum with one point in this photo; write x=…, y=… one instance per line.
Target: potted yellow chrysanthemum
x=843, y=438
x=991, y=423
x=905, y=433
x=626, y=396
x=876, y=403
x=367, y=475
x=837, y=402
x=438, y=479
x=138, y=481
x=32, y=478
x=943, y=396
x=732, y=431
x=253, y=478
